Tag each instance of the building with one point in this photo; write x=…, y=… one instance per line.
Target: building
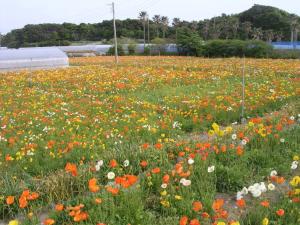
x=32, y=58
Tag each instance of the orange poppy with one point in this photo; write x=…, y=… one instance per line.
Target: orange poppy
x=155, y=170
x=217, y=204
x=59, y=207
x=113, y=191
x=166, y=178
x=49, y=222
x=71, y=168
x=98, y=200
x=265, y=204
x=10, y=200
x=143, y=163
x=197, y=206
x=113, y=163
x=194, y=222
x=280, y=212
x=184, y=220
x=93, y=185
x=241, y=203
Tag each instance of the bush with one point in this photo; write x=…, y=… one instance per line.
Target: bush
x=111, y=50
x=285, y=54
x=239, y=48
x=131, y=49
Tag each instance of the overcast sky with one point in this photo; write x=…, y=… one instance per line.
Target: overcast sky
x=17, y=13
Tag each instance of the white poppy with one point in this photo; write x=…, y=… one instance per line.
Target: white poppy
x=111, y=175
x=271, y=187
x=126, y=163
x=233, y=136
x=211, y=169
x=164, y=186
x=294, y=165
x=244, y=191
x=191, y=161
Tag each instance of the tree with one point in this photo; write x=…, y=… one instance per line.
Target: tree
x=189, y=42
x=143, y=17
x=269, y=35
x=156, y=19
x=176, y=23
x=257, y=33
x=164, y=24
x=246, y=29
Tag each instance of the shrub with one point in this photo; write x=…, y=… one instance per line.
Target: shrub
x=111, y=50
x=239, y=48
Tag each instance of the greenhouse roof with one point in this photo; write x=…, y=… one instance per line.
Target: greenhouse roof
x=32, y=58
x=31, y=53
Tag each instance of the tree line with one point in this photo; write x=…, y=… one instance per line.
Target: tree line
x=258, y=23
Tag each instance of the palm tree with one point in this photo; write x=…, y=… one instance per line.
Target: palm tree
x=176, y=23
x=143, y=17
x=257, y=33
x=156, y=19
x=164, y=24
x=269, y=35
x=246, y=28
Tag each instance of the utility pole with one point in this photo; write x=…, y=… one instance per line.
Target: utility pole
x=115, y=33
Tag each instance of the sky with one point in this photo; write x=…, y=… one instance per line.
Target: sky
x=17, y=13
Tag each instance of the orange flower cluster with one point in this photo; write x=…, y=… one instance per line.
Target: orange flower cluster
x=126, y=181
x=23, y=199
x=77, y=213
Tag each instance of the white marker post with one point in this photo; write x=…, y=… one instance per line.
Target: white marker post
x=243, y=90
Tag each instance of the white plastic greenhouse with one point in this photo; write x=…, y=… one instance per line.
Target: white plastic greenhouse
x=32, y=58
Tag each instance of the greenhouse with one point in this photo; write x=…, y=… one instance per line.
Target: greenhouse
x=32, y=58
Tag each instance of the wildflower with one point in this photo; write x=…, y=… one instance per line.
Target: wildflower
x=191, y=161
x=126, y=181
x=13, y=222
x=183, y=220
x=113, y=163
x=111, y=175
x=178, y=197
x=295, y=181
x=280, y=212
x=166, y=178
x=271, y=187
x=265, y=204
x=71, y=168
x=49, y=222
x=59, y=207
x=265, y=221
x=217, y=204
x=294, y=165
x=155, y=170
x=233, y=136
x=93, y=185
x=164, y=186
x=143, y=163
x=185, y=182
x=273, y=173
x=98, y=200
x=194, y=222
x=211, y=169
x=126, y=163
x=10, y=200
x=241, y=203
x=197, y=206
x=282, y=140
x=113, y=191
x=296, y=158
x=221, y=223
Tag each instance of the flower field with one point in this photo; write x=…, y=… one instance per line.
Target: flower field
x=154, y=140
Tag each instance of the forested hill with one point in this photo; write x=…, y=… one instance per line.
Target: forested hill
x=259, y=23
